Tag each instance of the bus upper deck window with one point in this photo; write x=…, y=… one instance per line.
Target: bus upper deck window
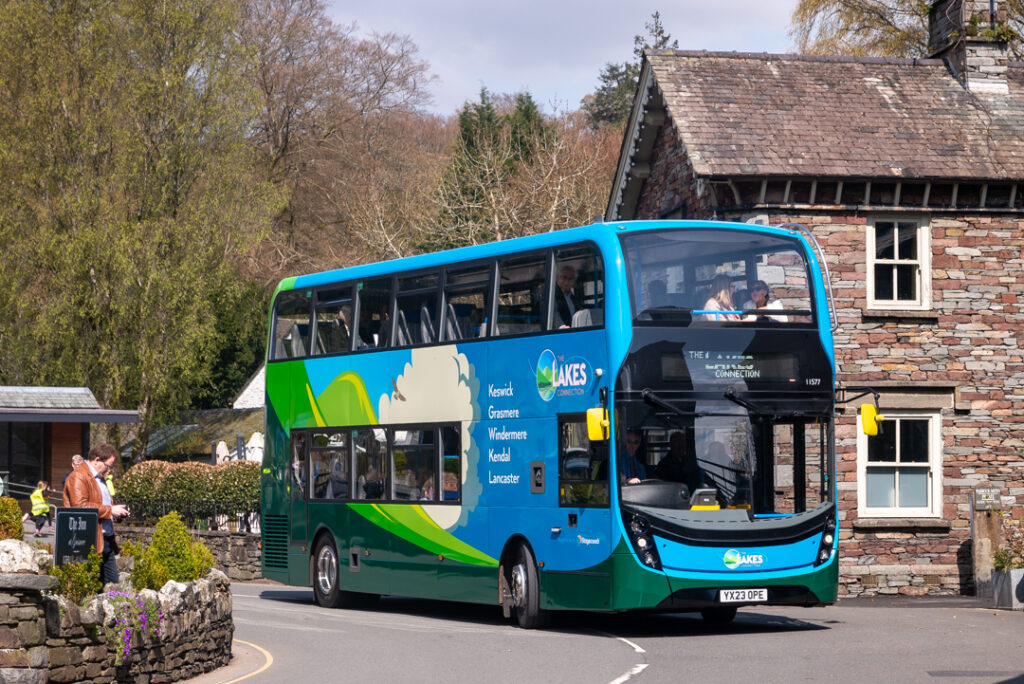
x=291, y=325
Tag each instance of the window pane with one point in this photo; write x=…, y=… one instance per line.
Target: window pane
x=913, y=441
x=884, y=240
x=520, y=295
x=883, y=281
x=579, y=289
x=913, y=488
x=882, y=448
x=908, y=241
x=371, y=465
x=452, y=464
x=291, y=327
x=583, y=467
x=881, y=487
x=333, y=314
x=299, y=466
x=451, y=475
x=26, y=457
x=329, y=466
x=374, y=313
x=464, y=314
x=417, y=316
x=414, y=455
x=906, y=282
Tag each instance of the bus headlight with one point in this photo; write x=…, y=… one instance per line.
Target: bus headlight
x=639, y=529
x=828, y=538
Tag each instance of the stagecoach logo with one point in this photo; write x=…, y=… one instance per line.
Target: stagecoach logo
x=586, y=541
x=734, y=559
x=556, y=375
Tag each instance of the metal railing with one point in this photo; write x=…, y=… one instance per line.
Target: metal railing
x=197, y=514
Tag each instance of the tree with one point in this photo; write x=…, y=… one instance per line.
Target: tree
x=617, y=83
x=514, y=172
x=894, y=28
x=329, y=133
x=129, y=196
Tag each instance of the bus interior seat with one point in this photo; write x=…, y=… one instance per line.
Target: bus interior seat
x=586, y=318
x=451, y=324
x=294, y=336
x=426, y=326
x=402, y=336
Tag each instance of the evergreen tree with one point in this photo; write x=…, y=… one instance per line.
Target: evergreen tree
x=617, y=83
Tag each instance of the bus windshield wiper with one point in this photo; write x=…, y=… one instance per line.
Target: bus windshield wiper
x=651, y=398
x=732, y=396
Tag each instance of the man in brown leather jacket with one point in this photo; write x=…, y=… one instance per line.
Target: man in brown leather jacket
x=85, y=488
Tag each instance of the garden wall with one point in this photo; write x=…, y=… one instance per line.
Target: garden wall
x=45, y=639
x=237, y=553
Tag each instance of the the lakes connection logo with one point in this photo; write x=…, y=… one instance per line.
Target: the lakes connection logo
x=734, y=559
x=555, y=375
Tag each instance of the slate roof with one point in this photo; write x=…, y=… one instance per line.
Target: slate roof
x=57, y=405
x=742, y=114
x=47, y=398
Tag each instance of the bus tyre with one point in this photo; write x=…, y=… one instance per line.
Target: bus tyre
x=718, y=617
x=326, y=575
x=525, y=587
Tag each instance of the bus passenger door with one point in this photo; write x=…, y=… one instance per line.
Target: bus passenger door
x=581, y=533
x=298, y=480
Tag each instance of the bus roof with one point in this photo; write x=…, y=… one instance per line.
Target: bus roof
x=597, y=232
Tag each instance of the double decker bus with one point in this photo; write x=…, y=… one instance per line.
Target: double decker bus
x=622, y=416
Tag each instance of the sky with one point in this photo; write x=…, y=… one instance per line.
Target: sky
x=555, y=49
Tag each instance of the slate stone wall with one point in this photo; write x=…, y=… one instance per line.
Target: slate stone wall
x=237, y=553
x=44, y=639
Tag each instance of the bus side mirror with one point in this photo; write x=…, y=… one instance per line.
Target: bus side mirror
x=869, y=419
x=597, y=424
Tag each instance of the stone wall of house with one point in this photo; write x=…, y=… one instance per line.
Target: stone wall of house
x=237, y=553
x=671, y=184
x=44, y=639
x=964, y=357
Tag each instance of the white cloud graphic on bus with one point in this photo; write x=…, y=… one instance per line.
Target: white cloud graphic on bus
x=555, y=375
x=434, y=372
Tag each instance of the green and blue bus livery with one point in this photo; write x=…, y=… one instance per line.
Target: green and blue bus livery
x=615, y=417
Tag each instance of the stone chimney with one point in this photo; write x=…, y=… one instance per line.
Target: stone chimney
x=971, y=36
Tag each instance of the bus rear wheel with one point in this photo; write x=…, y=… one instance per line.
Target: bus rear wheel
x=326, y=576
x=525, y=587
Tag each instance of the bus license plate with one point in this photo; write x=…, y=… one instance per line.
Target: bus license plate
x=742, y=595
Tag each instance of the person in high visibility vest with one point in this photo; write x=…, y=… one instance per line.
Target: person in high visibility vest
x=109, y=481
x=40, y=508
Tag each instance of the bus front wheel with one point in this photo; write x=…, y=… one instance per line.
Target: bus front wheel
x=326, y=574
x=525, y=587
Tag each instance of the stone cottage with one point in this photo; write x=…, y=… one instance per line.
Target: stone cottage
x=910, y=173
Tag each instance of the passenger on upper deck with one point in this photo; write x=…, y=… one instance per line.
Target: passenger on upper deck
x=720, y=300
x=760, y=298
x=566, y=302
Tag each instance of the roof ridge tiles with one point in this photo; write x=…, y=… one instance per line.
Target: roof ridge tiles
x=796, y=57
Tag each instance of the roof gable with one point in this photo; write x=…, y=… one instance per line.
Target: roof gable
x=740, y=114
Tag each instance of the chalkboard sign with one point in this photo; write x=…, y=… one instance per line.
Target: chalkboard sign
x=75, y=534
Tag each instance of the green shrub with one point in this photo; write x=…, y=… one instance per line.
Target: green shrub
x=142, y=481
x=79, y=581
x=173, y=555
x=237, y=485
x=185, y=483
x=10, y=519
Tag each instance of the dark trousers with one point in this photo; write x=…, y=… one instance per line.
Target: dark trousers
x=108, y=570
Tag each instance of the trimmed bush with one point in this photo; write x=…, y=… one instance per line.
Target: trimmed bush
x=237, y=483
x=173, y=555
x=79, y=581
x=10, y=519
x=142, y=481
